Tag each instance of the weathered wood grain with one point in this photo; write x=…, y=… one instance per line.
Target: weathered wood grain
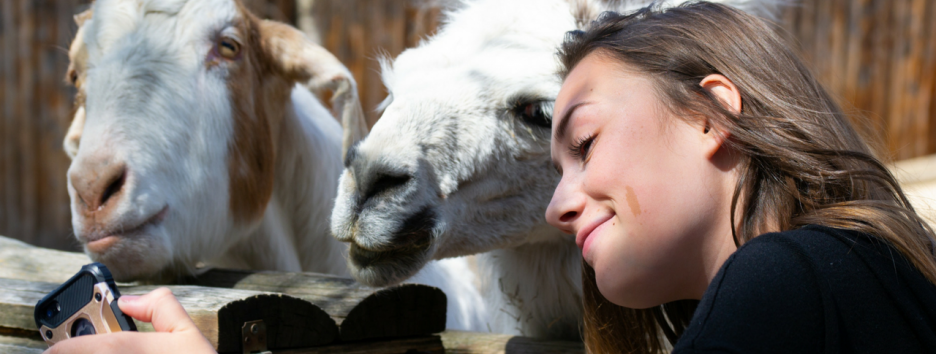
x=459, y=342
x=361, y=312
x=418, y=345
x=17, y=349
x=19, y=260
x=359, y=32
x=206, y=307
x=13, y=341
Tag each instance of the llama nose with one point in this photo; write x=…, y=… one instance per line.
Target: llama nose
x=383, y=182
x=371, y=177
x=97, y=181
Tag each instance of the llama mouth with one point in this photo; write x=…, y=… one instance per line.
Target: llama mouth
x=364, y=258
x=406, y=246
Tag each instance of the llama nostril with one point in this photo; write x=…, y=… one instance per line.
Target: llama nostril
x=385, y=182
x=568, y=216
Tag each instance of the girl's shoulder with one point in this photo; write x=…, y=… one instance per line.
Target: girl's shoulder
x=815, y=289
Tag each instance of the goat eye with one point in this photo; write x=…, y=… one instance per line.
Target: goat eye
x=228, y=48
x=538, y=113
x=72, y=77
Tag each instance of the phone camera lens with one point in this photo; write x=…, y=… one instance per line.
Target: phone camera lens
x=82, y=327
x=53, y=309
x=48, y=334
x=97, y=297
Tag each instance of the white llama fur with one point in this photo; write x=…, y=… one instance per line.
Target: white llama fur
x=157, y=102
x=452, y=155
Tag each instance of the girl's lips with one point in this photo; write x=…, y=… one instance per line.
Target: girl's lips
x=583, y=237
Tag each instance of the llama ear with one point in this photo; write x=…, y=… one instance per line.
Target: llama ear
x=586, y=11
x=301, y=60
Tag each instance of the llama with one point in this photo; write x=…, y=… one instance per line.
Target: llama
x=194, y=141
x=459, y=164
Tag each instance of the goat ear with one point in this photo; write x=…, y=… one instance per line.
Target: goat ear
x=73, y=136
x=83, y=17
x=301, y=60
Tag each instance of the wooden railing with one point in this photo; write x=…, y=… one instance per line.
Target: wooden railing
x=303, y=312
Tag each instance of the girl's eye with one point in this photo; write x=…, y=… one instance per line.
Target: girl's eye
x=581, y=147
x=228, y=48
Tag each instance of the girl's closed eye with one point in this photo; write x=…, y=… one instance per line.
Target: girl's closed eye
x=581, y=147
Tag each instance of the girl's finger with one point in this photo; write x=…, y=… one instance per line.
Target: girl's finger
x=160, y=308
x=134, y=342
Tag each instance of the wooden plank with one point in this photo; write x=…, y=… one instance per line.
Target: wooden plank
x=10, y=107
x=19, y=260
x=922, y=196
x=916, y=170
x=931, y=61
x=879, y=44
x=5, y=61
x=15, y=349
x=361, y=312
x=427, y=345
x=460, y=342
x=358, y=32
x=291, y=322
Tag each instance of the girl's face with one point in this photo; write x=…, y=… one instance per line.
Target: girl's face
x=646, y=194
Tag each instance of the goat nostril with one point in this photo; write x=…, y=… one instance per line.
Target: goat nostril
x=114, y=186
x=568, y=216
x=385, y=182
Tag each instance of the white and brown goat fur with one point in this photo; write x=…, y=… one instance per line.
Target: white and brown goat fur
x=459, y=163
x=195, y=141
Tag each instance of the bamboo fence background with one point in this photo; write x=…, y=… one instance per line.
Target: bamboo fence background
x=877, y=56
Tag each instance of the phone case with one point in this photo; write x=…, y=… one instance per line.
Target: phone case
x=85, y=304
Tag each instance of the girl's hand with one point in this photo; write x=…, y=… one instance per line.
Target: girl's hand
x=175, y=331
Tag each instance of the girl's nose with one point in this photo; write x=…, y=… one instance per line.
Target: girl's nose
x=565, y=207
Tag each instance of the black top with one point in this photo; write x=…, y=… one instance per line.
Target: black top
x=814, y=290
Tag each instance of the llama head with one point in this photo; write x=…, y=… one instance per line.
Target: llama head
x=459, y=161
x=173, y=141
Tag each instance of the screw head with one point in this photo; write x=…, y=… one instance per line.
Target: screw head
x=254, y=328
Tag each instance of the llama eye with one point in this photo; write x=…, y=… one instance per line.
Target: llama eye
x=228, y=48
x=538, y=113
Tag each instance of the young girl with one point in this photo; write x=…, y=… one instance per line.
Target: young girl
x=703, y=166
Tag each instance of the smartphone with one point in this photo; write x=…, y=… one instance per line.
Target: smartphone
x=85, y=304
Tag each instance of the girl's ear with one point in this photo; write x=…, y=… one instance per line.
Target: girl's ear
x=726, y=92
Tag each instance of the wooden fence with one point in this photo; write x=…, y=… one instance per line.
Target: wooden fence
x=877, y=56
x=302, y=313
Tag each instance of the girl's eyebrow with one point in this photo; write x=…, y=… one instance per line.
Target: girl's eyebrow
x=564, y=121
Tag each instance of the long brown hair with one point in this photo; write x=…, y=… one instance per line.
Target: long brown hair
x=803, y=160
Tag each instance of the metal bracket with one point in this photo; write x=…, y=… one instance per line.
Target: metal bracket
x=254, y=337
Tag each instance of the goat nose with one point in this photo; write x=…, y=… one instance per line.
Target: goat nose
x=97, y=181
